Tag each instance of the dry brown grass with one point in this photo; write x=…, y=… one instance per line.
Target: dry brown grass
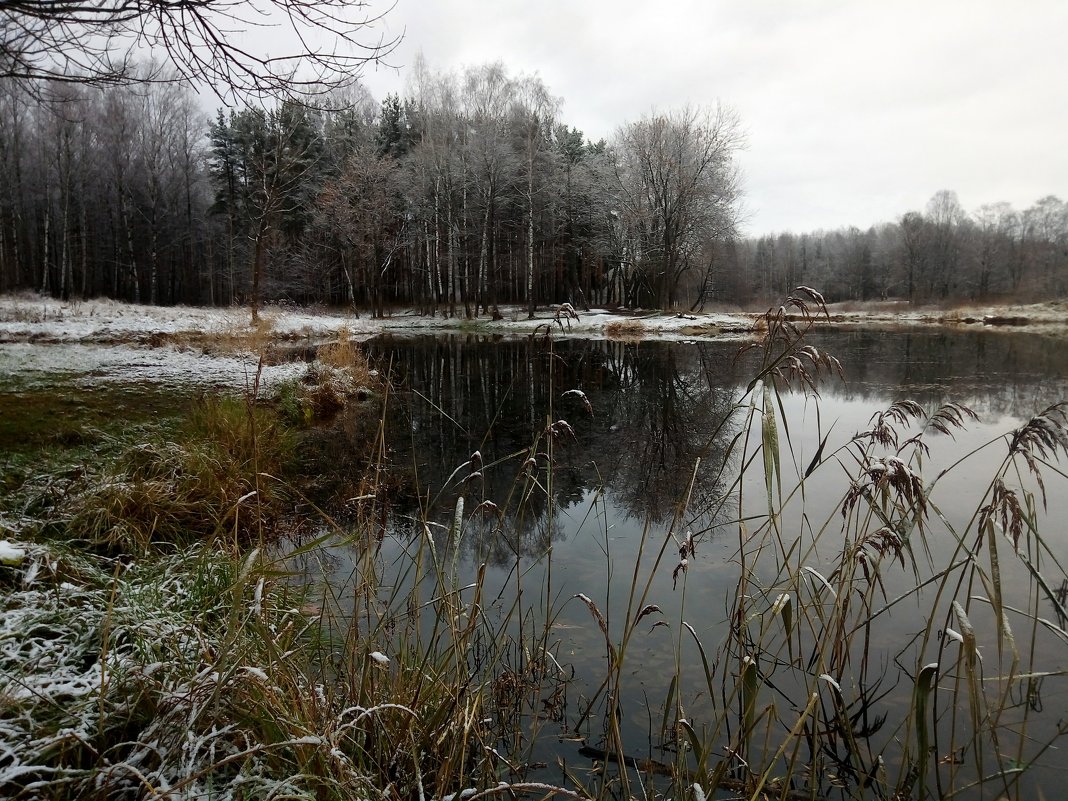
x=345, y=354
x=701, y=330
x=239, y=338
x=219, y=478
x=339, y=374
x=23, y=307
x=628, y=329
x=868, y=306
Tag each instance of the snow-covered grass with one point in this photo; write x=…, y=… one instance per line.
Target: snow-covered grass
x=146, y=652
x=32, y=318
x=177, y=678
x=80, y=639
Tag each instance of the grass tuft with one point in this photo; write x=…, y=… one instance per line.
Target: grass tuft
x=624, y=330
x=218, y=477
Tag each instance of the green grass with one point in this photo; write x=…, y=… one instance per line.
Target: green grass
x=68, y=417
x=218, y=475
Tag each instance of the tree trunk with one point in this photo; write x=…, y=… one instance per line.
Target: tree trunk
x=257, y=268
x=124, y=211
x=432, y=301
x=466, y=284
x=44, y=261
x=65, y=277
x=530, y=244
x=451, y=259
x=85, y=242
x=483, y=257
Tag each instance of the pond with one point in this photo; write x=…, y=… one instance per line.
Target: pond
x=585, y=466
x=651, y=559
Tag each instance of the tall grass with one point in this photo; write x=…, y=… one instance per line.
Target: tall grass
x=803, y=703
x=203, y=674
x=381, y=666
x=220, y=475
x=145, y=651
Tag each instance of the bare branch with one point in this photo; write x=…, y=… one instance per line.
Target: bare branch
x=207, y=42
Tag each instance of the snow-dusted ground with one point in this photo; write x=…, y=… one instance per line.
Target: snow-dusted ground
x=103, y=340
x=26, y=317
x=33, y=318
x=28, y=365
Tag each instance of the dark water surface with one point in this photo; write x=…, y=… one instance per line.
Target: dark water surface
x=656, y=455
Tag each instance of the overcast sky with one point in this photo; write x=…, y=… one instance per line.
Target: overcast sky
x=855, y=111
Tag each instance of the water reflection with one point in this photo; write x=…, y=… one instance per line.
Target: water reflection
x=618, y=484
x=643, y=414
x=997, y=374
x=654, y=409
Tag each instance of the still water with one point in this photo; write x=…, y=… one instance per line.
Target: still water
x=584, y=465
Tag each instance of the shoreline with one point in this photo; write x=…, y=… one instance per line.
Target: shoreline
x=42, y=320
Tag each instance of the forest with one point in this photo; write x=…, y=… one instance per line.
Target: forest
x=469, y=191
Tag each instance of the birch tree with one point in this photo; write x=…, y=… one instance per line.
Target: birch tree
x=534, y=115
x=488, y=96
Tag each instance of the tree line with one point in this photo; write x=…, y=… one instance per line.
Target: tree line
x=942, y=254
x=468, y=192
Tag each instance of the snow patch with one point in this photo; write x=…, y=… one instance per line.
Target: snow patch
x=11, y=554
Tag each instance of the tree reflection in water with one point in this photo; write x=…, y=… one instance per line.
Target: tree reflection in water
x=654, y=408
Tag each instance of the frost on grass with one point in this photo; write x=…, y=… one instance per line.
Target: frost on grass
x=123, y=679
x=48, y=679
x=107, y=675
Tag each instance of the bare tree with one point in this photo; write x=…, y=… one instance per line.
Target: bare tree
x=13, y=130
x=157, y=154
x=915, y=237
x=205, y=41
x=437, y=165
x=945, y=218
x=1046, y=232
x=534, y=115
x=283, y=153
x=679, y=185
x=360, y=211
x=997, y=225
x=490, y=161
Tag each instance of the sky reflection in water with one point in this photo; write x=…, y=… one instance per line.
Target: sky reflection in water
x=619, y=481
